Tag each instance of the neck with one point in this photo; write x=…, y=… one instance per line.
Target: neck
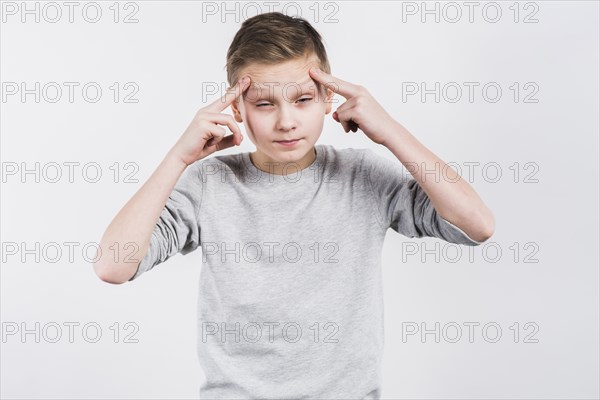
x=282, y=168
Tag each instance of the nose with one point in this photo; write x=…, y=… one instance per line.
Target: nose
x=286, y=120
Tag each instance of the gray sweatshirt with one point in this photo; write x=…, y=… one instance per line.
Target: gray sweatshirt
x=290, y=301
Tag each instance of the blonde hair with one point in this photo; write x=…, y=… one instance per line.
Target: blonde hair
x=272, y=38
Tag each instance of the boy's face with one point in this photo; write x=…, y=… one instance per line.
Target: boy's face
x=283, y=103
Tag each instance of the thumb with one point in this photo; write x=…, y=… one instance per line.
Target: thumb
x=225, y=143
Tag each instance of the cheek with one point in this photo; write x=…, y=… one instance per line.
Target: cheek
x=254, y=122
x=318, y=107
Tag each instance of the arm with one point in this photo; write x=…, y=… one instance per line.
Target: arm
x=452, y=197
x=135, y=222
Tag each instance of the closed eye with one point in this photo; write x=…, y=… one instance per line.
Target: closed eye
x=303, y=100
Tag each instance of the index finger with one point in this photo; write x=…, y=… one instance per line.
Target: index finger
x=334, y=84
x=232, y=93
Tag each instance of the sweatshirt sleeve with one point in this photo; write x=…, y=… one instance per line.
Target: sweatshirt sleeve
x=401, y=204
x=177, y=228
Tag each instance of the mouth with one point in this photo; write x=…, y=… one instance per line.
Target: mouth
x=291, y=142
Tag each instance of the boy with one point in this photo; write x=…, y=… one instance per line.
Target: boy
x=290, y=301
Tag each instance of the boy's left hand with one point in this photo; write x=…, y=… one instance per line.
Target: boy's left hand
x=360, y=110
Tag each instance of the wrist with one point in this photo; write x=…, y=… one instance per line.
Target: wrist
x=394, y=132
x=176, y=160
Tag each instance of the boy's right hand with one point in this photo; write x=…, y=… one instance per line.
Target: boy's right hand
x=204, y=136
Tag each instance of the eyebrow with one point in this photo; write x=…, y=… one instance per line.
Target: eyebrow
x=266, y=95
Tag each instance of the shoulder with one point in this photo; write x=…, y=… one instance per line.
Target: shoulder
x=363, y=160
x=344, y=156
x=218, y=165
x=232, y=161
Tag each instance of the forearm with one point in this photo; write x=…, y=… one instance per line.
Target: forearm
x=126, y=240
x=452, y=197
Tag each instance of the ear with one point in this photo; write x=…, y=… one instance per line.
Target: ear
x=236, y=112
x=328, y=101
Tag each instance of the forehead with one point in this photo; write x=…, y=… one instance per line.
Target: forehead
x=277, y=86
x=288, y=75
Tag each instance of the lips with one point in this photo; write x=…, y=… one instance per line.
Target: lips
x=288, y=143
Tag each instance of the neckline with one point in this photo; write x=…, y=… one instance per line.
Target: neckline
x=304, y=173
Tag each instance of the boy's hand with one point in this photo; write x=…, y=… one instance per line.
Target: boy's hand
x=360, y=111
x=204, y=136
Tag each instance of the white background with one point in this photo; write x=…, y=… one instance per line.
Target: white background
x=171, y=53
